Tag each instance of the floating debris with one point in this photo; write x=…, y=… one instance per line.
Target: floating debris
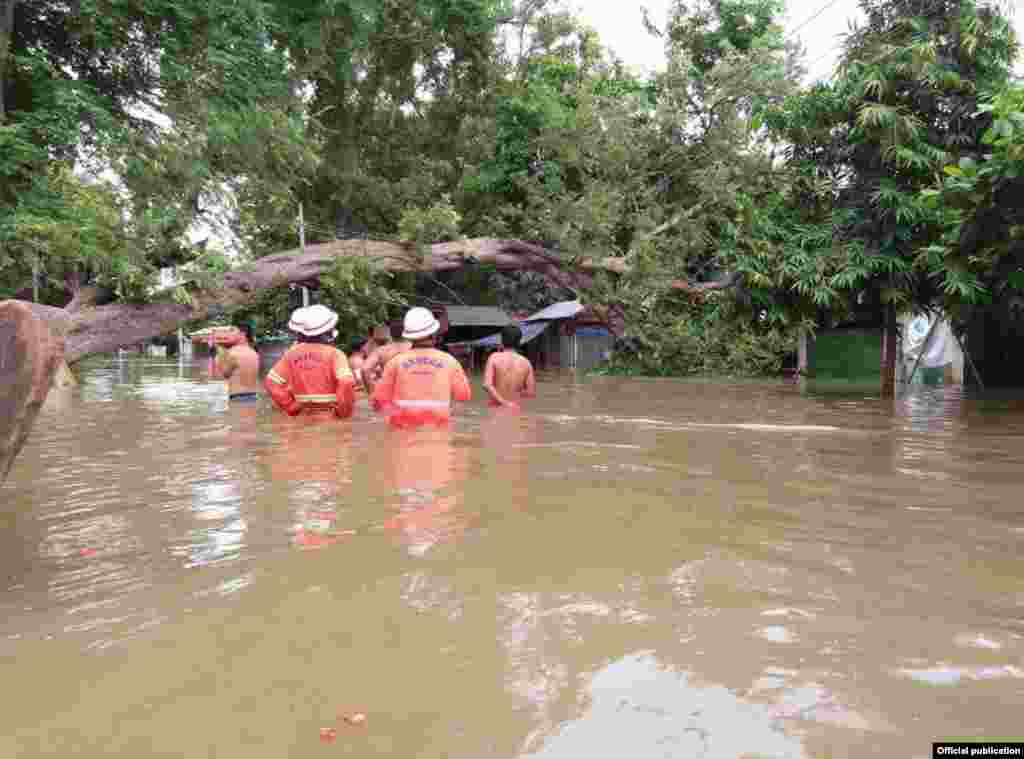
x=328, y=734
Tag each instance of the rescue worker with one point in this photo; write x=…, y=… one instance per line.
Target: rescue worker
x=240, y=366
x=312, y=376
x=373, y=367
x=419, y=385
x=508, y=375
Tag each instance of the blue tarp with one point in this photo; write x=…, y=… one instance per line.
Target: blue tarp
x=530, y=331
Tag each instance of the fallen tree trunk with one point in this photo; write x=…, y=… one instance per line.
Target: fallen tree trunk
x=30, y=354
x=86, y=328
x=90, y=329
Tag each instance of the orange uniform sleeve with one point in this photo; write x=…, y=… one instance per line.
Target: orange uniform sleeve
x=384, y=391
x=345, y=391
x=460, y=383
x=278, y=385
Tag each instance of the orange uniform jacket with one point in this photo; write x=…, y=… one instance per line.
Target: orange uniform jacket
x=417, y=387
x=312, y=376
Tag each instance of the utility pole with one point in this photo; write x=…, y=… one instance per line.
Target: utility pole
x=302, y=247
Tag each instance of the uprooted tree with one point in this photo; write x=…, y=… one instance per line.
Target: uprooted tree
x=90, y=326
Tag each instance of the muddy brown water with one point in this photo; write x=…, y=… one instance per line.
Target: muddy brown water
x=630, y=568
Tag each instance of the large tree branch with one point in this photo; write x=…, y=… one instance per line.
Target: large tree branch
x=100, y=329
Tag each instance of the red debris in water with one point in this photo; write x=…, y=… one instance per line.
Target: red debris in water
x=87, y=552
x=328, y=734
x=308, y=538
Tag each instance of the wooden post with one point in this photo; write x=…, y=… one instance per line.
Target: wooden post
x=889, y=357
x=805, y=355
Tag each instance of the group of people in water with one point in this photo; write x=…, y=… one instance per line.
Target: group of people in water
x=406, y=378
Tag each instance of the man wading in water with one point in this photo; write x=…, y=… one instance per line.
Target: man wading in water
x=508, y=375
x=356, y=359
x=419, y=385
x=312, y=376
x=373, y=367
x=240, y=366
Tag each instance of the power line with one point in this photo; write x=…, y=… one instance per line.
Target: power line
x=810, y=18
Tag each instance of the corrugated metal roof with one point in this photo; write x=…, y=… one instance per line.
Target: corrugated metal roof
x=477, y=316
x=564, y=310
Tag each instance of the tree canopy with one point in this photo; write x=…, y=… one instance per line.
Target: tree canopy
x=130, y=130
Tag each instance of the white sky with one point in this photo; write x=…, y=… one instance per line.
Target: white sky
x=619, y=25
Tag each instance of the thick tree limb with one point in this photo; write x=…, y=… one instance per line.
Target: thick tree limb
x=100, y=329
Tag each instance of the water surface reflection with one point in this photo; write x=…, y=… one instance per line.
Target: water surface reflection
x=653, y=568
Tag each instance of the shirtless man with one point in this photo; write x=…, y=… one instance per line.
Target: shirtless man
x=240, y=366
x=373, y=367
x=508, y=375
x=418, y=386
x=356, y=359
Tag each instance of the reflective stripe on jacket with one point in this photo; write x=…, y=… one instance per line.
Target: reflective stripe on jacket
x=312, y=376
x=418, y=386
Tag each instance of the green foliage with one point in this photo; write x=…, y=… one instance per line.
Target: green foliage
x=437, y=223
x=980, y=202
x=715, y=336
x=361, y=295
x=125, y=124
x=870, y=146
x=896, y=182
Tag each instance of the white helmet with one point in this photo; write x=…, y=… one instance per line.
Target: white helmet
x=312, y=320
x=419, y=324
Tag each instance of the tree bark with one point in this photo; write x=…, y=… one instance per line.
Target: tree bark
x=90, y=328
x=6, y=35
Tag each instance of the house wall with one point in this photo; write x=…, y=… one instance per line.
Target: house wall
x=591, y=349
x=853, y=355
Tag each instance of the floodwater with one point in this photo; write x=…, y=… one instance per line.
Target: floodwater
x=629, y=568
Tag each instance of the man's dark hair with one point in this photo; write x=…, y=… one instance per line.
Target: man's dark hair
x=396, y=330
x=511, y=336
x=324, y=339
x=356, y=345
x=245, y=328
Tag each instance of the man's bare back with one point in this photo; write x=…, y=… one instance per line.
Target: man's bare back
x=508, y=377
x=240, y=366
